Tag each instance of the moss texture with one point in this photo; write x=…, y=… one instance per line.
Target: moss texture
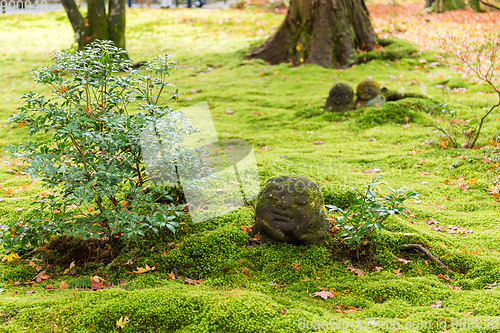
x=251, y=287
x=290, y=209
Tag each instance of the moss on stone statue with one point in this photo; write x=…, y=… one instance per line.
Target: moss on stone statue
x=340, y=98
x=290, y=209
x=368, y=94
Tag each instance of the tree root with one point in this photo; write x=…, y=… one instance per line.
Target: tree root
x=424, y=251
x=489, y=5
x=137, y=65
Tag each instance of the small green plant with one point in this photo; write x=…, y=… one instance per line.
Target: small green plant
x=455, y=131
x=87, y=148
x=369, y=214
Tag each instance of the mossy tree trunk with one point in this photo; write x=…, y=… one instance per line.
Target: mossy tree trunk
x=98, y=24
x=324, y=32
x=441, y=6
x=116, y=22
x=474, y=4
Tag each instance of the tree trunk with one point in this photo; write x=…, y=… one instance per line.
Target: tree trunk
x=98, y=24
x=441, y=6
x=117, y=22
x=77, y=22
x=323, y=32
x=96, y=14
x=474, y=4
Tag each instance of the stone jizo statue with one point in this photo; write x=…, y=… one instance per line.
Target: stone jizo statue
x=368, y=94
x=340, y=98
x=290, y=209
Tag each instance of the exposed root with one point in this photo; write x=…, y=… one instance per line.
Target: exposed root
x=489, y=5
x=424, y=251
x=137, y=65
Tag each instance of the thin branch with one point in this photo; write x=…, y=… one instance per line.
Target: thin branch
x=489, y=5
x=424, y=251
x=444, y=132
x=141, y=182
x=482, y=121
x=159, y=93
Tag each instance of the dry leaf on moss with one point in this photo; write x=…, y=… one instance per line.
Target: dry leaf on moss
x=122, y=322
x=140, y=270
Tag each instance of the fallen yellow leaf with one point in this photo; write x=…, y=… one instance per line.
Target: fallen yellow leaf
x=10, y=257
x=122, y=322
x=144, y=270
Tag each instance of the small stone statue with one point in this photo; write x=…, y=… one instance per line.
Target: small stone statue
x=368, y=93
x=340, y=98
x=290, y=209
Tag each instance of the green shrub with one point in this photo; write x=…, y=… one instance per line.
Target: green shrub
x=81, y=283
x=456, y=131
x=92, y=162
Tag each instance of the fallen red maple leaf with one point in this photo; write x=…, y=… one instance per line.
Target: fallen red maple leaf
x=41, y=276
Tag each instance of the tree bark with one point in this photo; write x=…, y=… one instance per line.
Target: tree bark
x=323, y=32
x=474, y=4
x=441, y=6
x=117, y=22
x=98, y=24
x=77, y=22
x=96, y=14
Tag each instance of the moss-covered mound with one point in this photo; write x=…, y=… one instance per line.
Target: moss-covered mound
x=215, y=276
x=391, y=48
x=403, y=111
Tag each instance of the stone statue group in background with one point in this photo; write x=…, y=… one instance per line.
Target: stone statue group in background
x=341, y=96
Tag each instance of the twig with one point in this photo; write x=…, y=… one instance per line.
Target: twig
x=444, y=132
x=424, y=251
x=482, y=122
x=489, y=5
x=438, y=128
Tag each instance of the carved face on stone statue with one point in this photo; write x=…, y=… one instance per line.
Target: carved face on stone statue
x=367, y=90
x=290, y=209
x=341, y=93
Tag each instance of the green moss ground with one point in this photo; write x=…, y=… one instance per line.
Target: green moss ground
x=269, y=288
